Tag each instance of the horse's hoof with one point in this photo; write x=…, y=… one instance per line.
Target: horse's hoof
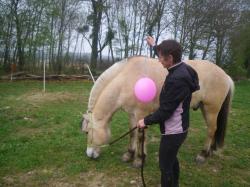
x=200, y=159
x=218, y=152
x=137, y=163
x=127, y=157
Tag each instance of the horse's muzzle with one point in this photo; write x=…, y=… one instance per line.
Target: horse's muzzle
x=93, y=152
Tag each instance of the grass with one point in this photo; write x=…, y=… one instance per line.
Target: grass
x=41, y=143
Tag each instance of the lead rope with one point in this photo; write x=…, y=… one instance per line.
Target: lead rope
x=143, y=157
x=122, y=136
x=142, y=150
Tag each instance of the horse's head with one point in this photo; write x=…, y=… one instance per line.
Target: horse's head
x=97, y=132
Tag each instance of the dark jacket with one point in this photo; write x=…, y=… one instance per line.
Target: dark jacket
x=175, y=97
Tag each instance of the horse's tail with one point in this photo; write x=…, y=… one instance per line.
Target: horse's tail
x=223, y=117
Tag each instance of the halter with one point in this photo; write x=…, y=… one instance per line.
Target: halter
x=90, y=126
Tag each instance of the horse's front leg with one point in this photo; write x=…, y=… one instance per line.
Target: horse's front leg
x=129, y=154
x=135, y=144
x=139, y=154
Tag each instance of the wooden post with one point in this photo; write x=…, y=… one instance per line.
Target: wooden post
x=13, y=70
x=44, y=74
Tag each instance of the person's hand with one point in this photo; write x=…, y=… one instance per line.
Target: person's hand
x=141, y=124
x=150, y=41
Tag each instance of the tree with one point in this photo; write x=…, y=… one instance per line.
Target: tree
x=240, y=44
x=96, y=18
x=19, y=31
x=6, y=34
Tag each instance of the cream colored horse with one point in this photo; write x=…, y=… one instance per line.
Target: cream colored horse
x=114, y=89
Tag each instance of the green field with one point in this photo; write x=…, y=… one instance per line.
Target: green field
x=41, y=143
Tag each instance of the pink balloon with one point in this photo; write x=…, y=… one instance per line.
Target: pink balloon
x=145, y=89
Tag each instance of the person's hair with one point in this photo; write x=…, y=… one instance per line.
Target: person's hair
x=170, y=47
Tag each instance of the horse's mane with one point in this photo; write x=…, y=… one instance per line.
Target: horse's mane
x=103, y=80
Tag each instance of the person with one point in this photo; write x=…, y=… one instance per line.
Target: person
x=173, y=111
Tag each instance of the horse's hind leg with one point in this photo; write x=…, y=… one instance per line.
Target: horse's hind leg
x=129, y=155
x=210, y=114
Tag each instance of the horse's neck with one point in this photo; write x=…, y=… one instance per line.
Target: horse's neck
x=105, y=107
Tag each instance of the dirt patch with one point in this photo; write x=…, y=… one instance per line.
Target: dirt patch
x=41, y=97
x=22, y=179
x=22, y=131
x=99, y=179
x=53, y=177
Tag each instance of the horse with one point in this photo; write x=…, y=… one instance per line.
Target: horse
x=114, y=89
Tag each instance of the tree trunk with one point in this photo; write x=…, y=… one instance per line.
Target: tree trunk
x=74, y=53
x=51, y=49
x=126, y=46
x=20, y=54
x=97, y=17
x=248, y=67
x=61, y=38
x=80, y=57
x=112, y=53
x=67, y=58
x=219, y=50
x=6, y=61
x=209, y=41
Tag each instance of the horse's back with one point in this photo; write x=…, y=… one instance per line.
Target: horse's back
x=214, y=82
x=207, y=70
